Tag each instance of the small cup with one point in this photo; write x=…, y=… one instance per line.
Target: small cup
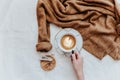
x=67, y=50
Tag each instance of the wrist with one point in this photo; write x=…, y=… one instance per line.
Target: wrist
x=80, y=76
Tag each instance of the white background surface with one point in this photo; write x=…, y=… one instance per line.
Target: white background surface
x=19, y=59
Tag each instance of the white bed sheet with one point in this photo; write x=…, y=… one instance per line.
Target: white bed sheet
x=19, y=59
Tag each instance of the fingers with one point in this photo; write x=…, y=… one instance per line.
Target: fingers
x=77, y=55
x=73, y=57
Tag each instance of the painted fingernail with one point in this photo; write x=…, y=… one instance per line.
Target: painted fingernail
x=72, y=51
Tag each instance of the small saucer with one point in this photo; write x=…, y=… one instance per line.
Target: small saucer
x=79, y=40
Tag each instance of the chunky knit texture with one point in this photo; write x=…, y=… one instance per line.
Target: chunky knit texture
x=98, y=21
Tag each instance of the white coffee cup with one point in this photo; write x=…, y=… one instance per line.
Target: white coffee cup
x=67, y=50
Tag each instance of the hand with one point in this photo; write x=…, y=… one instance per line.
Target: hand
x=77, y=62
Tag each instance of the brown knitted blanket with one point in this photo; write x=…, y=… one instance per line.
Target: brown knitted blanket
x=98, y=21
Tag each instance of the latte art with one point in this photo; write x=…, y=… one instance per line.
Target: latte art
x=68, y=42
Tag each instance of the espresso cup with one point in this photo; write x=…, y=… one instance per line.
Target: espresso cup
x=67, y=43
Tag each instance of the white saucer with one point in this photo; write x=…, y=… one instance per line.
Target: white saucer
x=79, y=40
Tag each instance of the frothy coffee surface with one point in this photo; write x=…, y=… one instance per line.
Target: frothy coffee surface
x=68, y=42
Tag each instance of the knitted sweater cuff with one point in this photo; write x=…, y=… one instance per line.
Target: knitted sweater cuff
x=43, y=46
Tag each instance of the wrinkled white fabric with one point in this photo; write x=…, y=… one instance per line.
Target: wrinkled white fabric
x=19, y=59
